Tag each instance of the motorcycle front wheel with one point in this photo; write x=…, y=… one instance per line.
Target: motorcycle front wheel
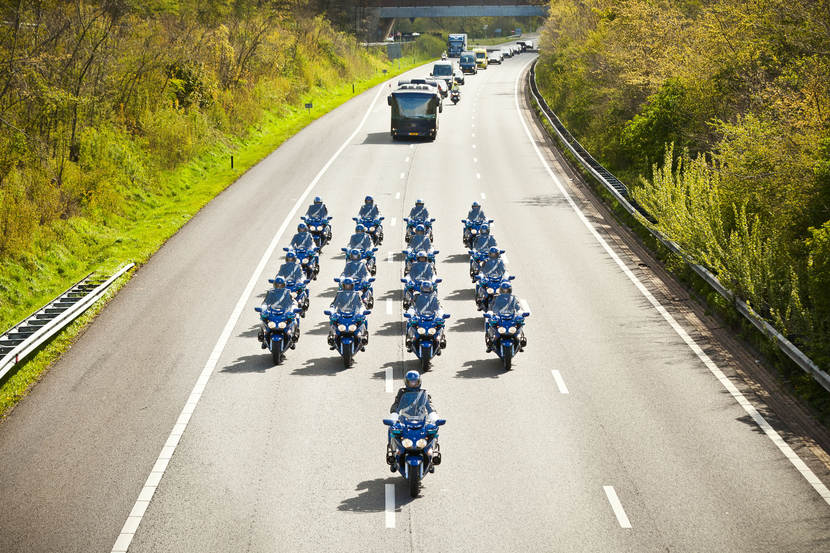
x=277, y=356
x=507, y=359
x=414, y=482
x=348, y=359
x=425, y=364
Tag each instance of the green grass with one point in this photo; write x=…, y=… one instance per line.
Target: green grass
x=78, y=247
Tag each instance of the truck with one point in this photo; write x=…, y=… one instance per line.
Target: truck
x=456, y=43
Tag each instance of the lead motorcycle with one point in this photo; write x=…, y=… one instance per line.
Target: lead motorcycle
x=505, y=335
x=413, y=438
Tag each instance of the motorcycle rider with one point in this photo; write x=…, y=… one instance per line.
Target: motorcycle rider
x=360, y=239
x=426, y=304
x=494, y=264
x=369, y=210
x=419, y=211
x=355, y=267
x=318, y=209
x=504, y=304
x=420, y=240
x=412, y=384
x=476, y=213
x=421, y=268
x=347, y=299
x=484, y=241
x=303, y=240
x=279, y=297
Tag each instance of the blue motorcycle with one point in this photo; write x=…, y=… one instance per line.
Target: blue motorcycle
x=301, y=295
x=412, y=285
x=320, y=229
x=364, y=287
x=368, y=255
x=486, y=287
x=283, y=330
x=373, y=226
x=412, y=223
x=505, y=335
x=309, y=258
x=350, y=333
x=410, y=256
x=413, y=440
x=471, y=229
x=427, y=336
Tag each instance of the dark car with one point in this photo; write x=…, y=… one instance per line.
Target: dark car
x=467, y=63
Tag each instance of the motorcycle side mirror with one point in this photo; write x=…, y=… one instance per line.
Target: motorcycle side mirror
x=305, y=282
x=464, y=221
x=258, y=309
x=285, y=249
x=327, y=312
x=388, y=422
x=371, y=280
x=437, y=280
x=436, y=252
x=344, y=249
x=511, y=277
x=354, y=219
x=432, y=220
x=389, y=100
x=374, y=249
x=382, y=218
x=298, y=311
x=407, y=315
x=486, y=315
x=337, y=280
x=440, y=422
x=490, y=221
x=367, y=312
x=446, y=315
x=526, y=314
x=270, y=281
x=502, y=251
x=404, y=280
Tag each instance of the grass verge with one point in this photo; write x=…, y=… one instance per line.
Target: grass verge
x=188, y=188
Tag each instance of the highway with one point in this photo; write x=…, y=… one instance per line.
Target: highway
x=610, y=433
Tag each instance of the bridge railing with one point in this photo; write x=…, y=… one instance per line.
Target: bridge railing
x=619, y=191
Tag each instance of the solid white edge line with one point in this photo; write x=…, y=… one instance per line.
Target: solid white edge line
x=125, y=537
x=560, y=382
x=619, y=512
x=771, y=433
x=390, y=505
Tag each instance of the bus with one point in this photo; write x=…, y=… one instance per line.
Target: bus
x=415, y=110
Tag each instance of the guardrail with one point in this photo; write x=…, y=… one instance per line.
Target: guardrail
x=620, y=193
x=29, y=334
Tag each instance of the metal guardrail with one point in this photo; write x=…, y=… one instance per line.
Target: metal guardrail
x=620, y=193
x=29, y=334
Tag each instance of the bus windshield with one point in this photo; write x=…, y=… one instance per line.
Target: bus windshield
x=414, y=106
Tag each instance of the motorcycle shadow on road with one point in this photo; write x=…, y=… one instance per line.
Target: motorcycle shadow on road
x=482, y=368
x=458, y=258
x=391, y=328
x=329, y=292
x=321, y=329
x=399, y=368
x=321, y=366
x=256, y=363
x=465, y=294
x=395, y=294
x=470, y=324
x=250, y=333
x=371, y=496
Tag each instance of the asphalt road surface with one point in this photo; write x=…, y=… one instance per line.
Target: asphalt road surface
x=609, y=434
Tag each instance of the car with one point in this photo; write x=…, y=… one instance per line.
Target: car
x=506, y=53
x=458, y=76
x=467, y=63
x=443, y=87
x=494, y=57
x=443, y=70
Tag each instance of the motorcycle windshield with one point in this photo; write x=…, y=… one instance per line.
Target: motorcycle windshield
x=493, y=268
x=422, y=270
x=414, y=406
x=419, y=213
x=484, y=242
x=291, y=272
x=279, y=299
x=505, y=305
x=355, y=270
x=427, y=305
x=360, y=241
x=368, y=212
x=347, y=301
x=317, y=211
x=302, y=240
x=420, y=242
x=476, y=215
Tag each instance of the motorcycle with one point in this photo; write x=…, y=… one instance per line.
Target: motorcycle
x=368, y=255
x=505, y=335
x=350, y=335
x=309, y=259
x=320, y=229
x=413, y=438
x=373, y=227
x=486, y=288
x=283, y=330
x=410, y=256
x=412, y=223
x=455, y=96
x=429, y=337
x=412, y=284
x=471, y=229
x=367, y=292
x=300, y=291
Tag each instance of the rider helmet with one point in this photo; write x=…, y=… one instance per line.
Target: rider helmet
x=484, y=229
x=426, y=287
x=369, y=200
x=290, y=256
x=318, y=200
x=493, y=252
x=354, y=254
x=421, y=255
x=347, y=284
x=420, y=229
x=279, y=283
x=302, y=227
x=476, y=204
x=506, y=288
x=419, y=202
x=413, y=380
x=360, y=229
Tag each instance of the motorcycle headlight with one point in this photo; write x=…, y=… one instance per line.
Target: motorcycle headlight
x=305, y=260
x=371, y=229
x=352, y=328
x=502, y=330
x=406, y=442
x=341, y=327
x=282, y=324
x=512, y=329
x=315, y=228
x=474, y=231
x=421, y=443
x=421, y=330
x=431, y=331
x=272, y=325
x=490, y=290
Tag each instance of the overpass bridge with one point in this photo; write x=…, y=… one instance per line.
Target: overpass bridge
x=391, y=9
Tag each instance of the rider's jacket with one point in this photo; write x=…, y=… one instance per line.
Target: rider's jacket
x=292, y=272
x=347, y=300
x=302, y=240
x=427, y=305
x=422, y=270
x=419, y=213
x=317, y=211
x=402, y=391
x=476, y=214
x=484, y=242
x=369, y=211
x=505, y=304
x=361, y=241
x=279, y=299
x=493, y=267
x=420, y=242
x=355, y=270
